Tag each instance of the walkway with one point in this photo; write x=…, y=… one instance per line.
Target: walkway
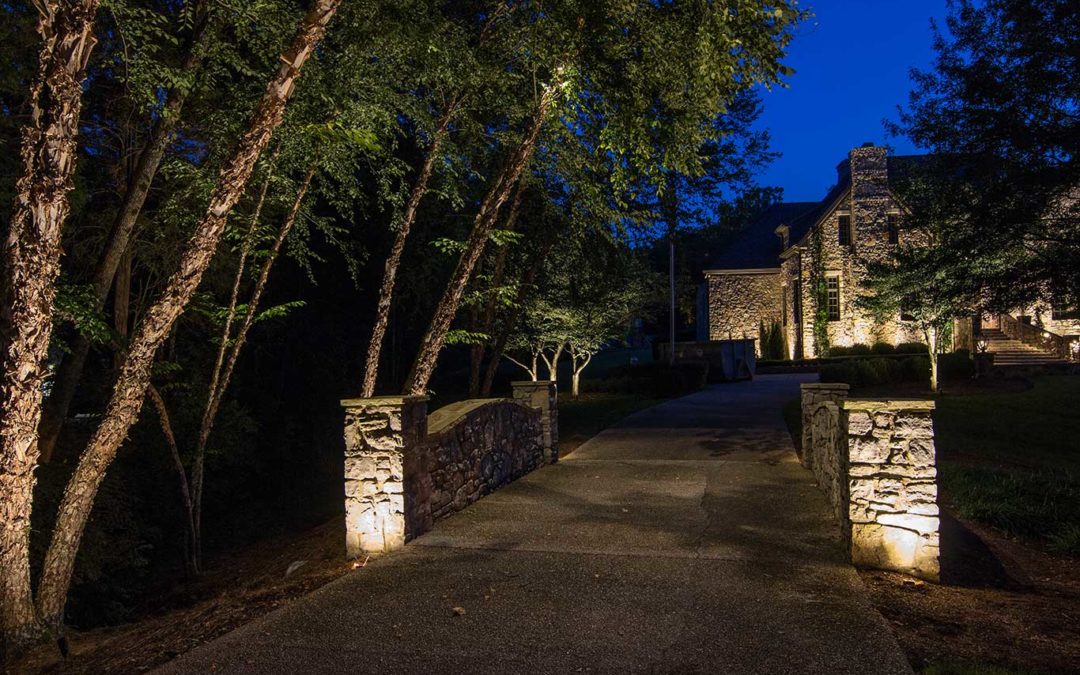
x=686, y=539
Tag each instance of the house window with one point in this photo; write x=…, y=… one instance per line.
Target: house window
x=832, y=289
x=844, y=230
x=894, y=229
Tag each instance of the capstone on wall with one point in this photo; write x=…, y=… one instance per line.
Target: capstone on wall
x=739, y=301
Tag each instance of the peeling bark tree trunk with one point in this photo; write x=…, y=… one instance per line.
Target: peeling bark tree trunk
x=69, y=371
x=30, y=267
x=223, y=374
x=492, y=304
x=386, y=291
x=134, y=377
x=432, y=343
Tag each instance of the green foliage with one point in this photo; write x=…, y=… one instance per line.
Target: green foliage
x=819, y=294
x=999, y=110
x=658, y=380
x=77, y=305
x=773, y=346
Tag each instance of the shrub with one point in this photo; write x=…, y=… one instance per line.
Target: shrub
x=912, y=348
x=914, y=369
x=882, y=348
x=956, y=366
x=859, y=349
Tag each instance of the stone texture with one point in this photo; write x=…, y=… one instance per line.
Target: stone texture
x=404, y=468
x=739, y=302
x=875, y=461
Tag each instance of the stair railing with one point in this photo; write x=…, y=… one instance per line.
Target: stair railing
x=1035, y=337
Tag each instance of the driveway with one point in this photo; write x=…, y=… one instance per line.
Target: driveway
x=685, y=539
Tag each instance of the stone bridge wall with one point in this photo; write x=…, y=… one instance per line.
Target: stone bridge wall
x=875, y=460
x=404, y=468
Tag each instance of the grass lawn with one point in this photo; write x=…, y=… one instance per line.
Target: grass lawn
x=581, y=419
x=1012, y=460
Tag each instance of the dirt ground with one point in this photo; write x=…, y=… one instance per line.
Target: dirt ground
x=1002, y=603
x=237, y=589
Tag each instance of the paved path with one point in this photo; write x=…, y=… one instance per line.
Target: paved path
x=686, y=539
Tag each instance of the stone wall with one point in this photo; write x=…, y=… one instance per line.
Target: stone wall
x=740, y=301
x=404, y=468
x=875, y=461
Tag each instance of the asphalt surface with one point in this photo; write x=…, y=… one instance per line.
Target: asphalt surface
x=686, y=539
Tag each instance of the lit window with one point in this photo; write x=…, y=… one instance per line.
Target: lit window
x=832, y=288
x=1061, y=310
x=894, y=229
x=844, y=230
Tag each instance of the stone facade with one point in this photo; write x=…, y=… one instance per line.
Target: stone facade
x=875, y=461
x=739, y=301
x=404, y=469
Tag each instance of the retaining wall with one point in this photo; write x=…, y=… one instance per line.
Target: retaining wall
x=405, y=468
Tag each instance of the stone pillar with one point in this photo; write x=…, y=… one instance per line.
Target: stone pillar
x=542, y=395
x=814, y=393
x=387, y=480
x=892, y=478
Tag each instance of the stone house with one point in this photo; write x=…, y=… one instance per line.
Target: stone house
x=765, y=275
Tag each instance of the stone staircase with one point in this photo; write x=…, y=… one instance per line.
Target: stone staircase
x=1010, y=352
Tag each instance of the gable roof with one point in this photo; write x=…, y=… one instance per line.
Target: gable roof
x=758, y=246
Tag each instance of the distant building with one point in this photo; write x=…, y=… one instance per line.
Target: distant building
x=765, y=275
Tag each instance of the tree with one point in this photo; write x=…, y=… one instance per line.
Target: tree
x=928, y=278
x=133, y=381
x=31, y=266
x=998, y=109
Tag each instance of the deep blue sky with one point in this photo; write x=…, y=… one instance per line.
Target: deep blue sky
x=851, y=61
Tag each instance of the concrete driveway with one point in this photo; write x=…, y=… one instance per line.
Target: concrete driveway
x=685, y=539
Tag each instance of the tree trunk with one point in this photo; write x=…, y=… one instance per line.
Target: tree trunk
x=223, y=375
x=432, y=343
x=134, y=377
x=30, y=267
x=931, y=335
x=69, y=371
x=490, y=307
x=191, y=562
x=386, y=291
x=121, y=305
x=574, y=386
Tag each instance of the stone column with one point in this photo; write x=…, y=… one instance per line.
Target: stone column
x=814, y=393
x=542, y=395
x=892, y=478
x=387, y=480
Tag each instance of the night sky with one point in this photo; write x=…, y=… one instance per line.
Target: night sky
x=851, y=61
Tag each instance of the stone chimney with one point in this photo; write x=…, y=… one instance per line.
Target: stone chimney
x=869, y=171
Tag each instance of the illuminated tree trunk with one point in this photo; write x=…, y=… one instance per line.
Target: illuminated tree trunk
x=69, y=371
x=393, y=261
x=432, y=343
x=31, y=264
x=134, y=377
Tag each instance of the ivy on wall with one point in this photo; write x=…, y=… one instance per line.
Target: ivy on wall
x=819, y=294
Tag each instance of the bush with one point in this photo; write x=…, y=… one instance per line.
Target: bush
x=859, y=349
x=654, y=379
x=914, y=369
x=871, y=372
x=911, y=348
x=882, y=348
x=956, y=366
